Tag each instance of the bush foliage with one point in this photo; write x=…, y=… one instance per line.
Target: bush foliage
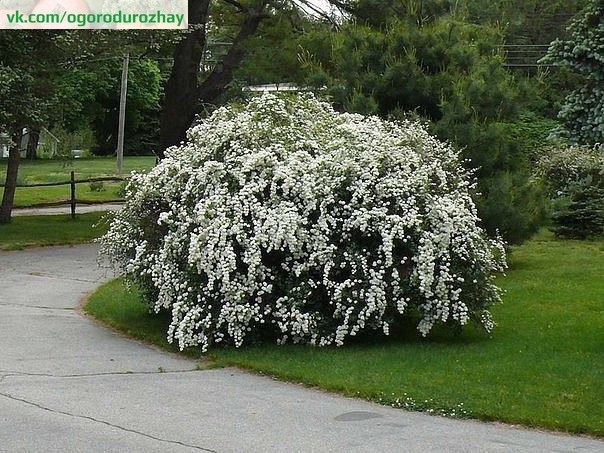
x=580, y=215
x=284, y=219
x=574, y=176
x=564, y=166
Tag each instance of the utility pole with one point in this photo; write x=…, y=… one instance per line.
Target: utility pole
x=122, y=117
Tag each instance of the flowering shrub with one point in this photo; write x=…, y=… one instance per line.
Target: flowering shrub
x=287, y=220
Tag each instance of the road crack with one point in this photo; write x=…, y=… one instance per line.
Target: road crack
x=104, y=422
x=9, y=373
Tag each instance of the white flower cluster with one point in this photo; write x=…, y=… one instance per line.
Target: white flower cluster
x=286, y=219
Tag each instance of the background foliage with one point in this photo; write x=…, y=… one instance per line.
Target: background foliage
x=443, y=61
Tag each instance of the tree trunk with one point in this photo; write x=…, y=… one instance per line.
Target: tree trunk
x=32, y=143
x=184, y=95
x=180, y=102
x=215, y=84
x=12, y=169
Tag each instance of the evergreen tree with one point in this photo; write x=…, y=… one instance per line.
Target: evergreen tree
x=583, y=51
x=451, y=73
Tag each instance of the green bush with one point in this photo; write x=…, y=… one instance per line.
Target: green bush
x=561, y=167
x=97, y=186
x=513, y=204
x=580, y=215
x=121, y=190
x=574, y=177
x=82, y=139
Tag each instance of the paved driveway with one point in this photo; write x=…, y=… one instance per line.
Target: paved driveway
x=69, y=385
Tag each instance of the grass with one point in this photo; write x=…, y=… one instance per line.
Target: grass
x=124, y=309
x=43, y=230
x=53, y=170
x=542, y=367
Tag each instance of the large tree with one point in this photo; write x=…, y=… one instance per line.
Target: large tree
x=185, y=94
x=29, y=63
x=61, y=62
x=447, y=72
x=41, y=85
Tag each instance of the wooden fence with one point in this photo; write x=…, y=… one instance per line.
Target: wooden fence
x=525, y=55
x=73, y=200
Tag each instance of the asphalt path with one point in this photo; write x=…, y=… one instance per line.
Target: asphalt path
x=80, y=209
x=68, y=384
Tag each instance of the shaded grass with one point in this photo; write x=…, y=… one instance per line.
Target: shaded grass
x=54, y=170
x=542, y=367
x=43, y=230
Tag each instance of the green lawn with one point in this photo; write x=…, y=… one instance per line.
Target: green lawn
x=34, y=231
x=47, y=171
x=124, y=309
x=542, y=367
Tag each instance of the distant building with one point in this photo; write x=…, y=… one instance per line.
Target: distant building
x=275, y=87
x=48, y=144
x=4, y=141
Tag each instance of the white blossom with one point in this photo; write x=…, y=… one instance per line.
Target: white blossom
x=285, y=218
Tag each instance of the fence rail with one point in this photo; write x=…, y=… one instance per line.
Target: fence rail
x=64, y=183
x=72, y=201
x=525, y=55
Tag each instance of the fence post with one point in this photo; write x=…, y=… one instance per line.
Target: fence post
x=73, y=196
